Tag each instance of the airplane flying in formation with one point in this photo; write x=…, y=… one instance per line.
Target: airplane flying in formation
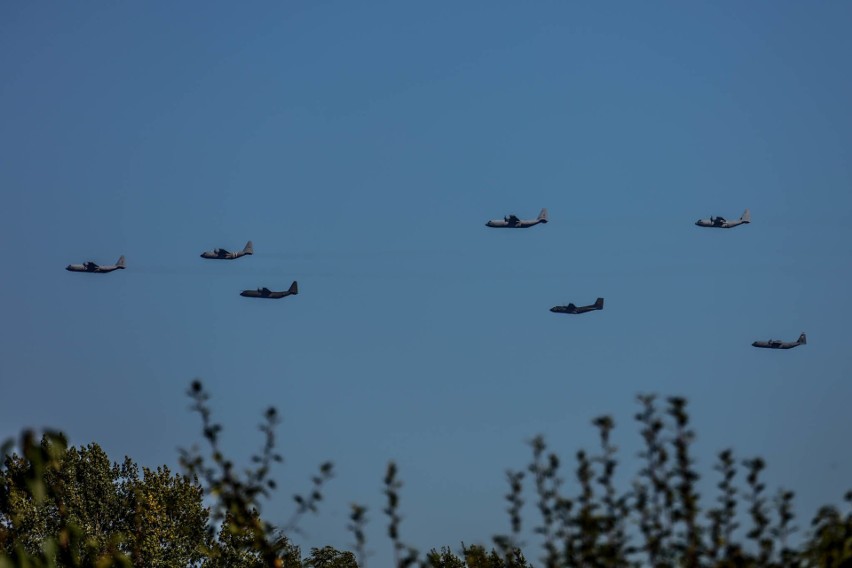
x=222, y=254
x=267, y=293
x=572, y=309
x=778, y=344
x=95, y=269
x=721, y=223
x=512, y=221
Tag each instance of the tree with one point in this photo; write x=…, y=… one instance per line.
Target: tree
x=73, y=507
x=235, y=547
x=169, y=521
x=830, y=545
x=329, y=557
x=475, y=557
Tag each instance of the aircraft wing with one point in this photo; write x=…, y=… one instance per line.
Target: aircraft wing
x=265, y=290
x=91, y=265
x=222, y=252
x=572, y=307
x=513, y=219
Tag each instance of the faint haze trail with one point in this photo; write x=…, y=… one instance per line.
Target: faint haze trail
x=167, y=270
x=329, y=254
x=321, y=269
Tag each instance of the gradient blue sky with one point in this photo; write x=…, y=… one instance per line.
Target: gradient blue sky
x=362, y=146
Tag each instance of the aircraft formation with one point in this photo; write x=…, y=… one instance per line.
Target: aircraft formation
x=507, y=222
x=215, y=254
x=513, y=222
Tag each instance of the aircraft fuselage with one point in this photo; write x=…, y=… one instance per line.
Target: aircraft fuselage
x=225, y=254
x=574, y=310
x=267, y=294
x=778, y=344
x=775, y=344
x=716, y=223
x=512, y=221
x=217, y=255
x=520, y=224
x=92, y=268
x=722, y=223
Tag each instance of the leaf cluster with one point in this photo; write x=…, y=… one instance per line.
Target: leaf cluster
x=63, y=506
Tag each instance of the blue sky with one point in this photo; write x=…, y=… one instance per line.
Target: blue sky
x=362, y=148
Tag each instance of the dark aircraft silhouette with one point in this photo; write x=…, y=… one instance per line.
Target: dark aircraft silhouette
x=512, y=221
x=572, y=309
x=267, y=293
x=222, y=254
x=778, y=344
x=95, y=269
x=721, y=223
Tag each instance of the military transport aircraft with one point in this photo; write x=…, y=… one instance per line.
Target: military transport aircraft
x=512, y=221
x=721, y=223
x=95, y=269
x=778, y=344
x=222, y=254
x=572, y=309
x=267, y=293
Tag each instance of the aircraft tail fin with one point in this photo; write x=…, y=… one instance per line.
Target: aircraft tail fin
x=294, y=288
x=746, y=218
x=121, y=263
x=803, y=339
x=599, y=303
x=542, y=216
x=249, y=248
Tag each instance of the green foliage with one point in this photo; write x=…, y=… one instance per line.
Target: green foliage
x=357, y=524
x=328, y=557
x=590, y=528
x=475, y=557
x=831, y=542
x=238, y=495
x=235, y=547
x=73, y=507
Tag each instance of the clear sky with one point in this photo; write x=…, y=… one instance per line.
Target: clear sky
x=362, y=147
